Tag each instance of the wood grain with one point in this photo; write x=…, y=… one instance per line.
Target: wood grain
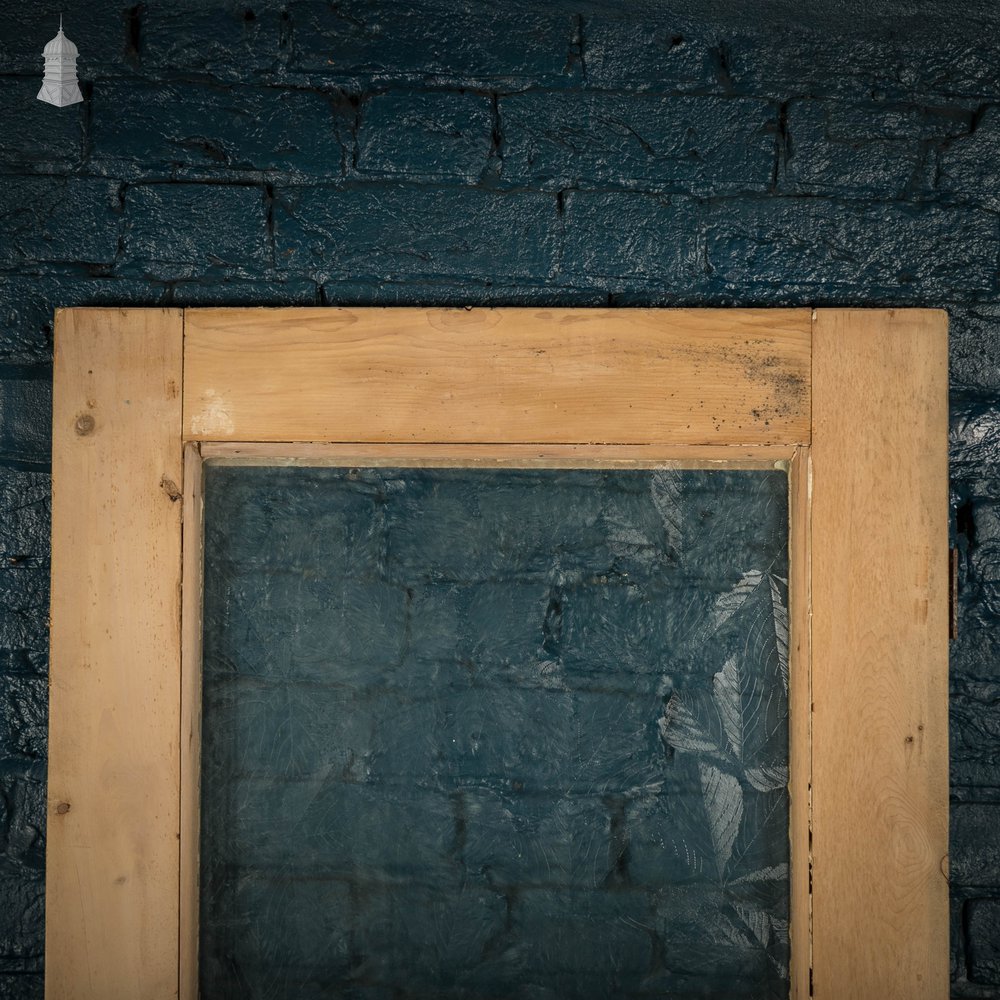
x=799, y=721
x=557, y=388
x=190, y=709
x=880, y=655
x=387, y=375
x=571, y=456
x=112, y=856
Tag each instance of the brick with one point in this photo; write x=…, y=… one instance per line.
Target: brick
x=659, y=836
x=423, y=940
x=289, y=731
x=633, y=238
x=968, y=164
x=28, y=304
x=693, y=921
x=974, y=444
x=796, y=57
x=34, y=137
x=983, y=933
x=323, y=827
x=283, y=731
x=975, y=653
x=406, y=748
x=25, y=413
x=22, y=986
x=258, y=928
x=22, y=816
x=468, y=527
x=21, y=922
x=984, y=556
x=975, y=844
x=615, y=630
x=176, y=231
x=471, y=44
x=516, y=738
x=305, y=628
x=616, y=746
x=24, y=716
x=72, y=220
x=601, y=936
x=974, y=732
x=24, y=605
x=704, y=145
x=24, y=516
x=24, y=662
x=481, y=291
x=863, y=150
x=974, y=347
x=519, y=840
x=195, y=130
x=342, y=509
x=434, y=135
x=487, y=629
x=226, y=41
x=234, y=292
x=396, y=232
x=26, y=318
x=586, y=743
x=98, y=32
x=667, y=52
x=814, y=246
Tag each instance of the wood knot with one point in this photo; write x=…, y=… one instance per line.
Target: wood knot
x=62, y=808
x=170, y=488
x=85, y=424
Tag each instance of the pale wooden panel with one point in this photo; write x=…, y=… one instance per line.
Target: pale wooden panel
x=498, y=375
x=799, y=732
x=880, y=656
x=567, y=456
x=190, y=762
x=112, y=861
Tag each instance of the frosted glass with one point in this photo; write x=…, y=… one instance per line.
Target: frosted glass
x=494, y=733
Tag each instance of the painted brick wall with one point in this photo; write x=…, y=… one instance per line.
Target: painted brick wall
x=436, y=151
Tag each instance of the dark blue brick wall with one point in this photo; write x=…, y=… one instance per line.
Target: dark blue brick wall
x=459, y=152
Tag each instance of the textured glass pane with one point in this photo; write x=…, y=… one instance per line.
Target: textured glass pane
x=494, y=733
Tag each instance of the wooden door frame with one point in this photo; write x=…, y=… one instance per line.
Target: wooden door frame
x=853, y=402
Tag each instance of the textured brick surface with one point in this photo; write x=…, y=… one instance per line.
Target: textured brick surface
x=865, y=150
x=33, y=141
x=450, y=153
x=975, y=850
x=477, y=43
x=984, y=932
x=400, y=231
x=425, y=135
x=851, y=250
x=708, y=145
x=211, y=131
x=58, y=220
x=657, y=239
x=190, y=230
x=25, y=412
